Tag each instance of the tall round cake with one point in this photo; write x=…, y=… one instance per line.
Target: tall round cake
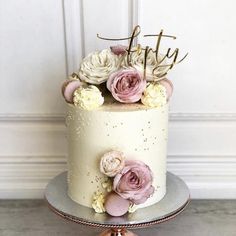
x=117, y=125
x=137, y=131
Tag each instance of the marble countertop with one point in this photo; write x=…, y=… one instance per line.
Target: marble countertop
x=201, y=218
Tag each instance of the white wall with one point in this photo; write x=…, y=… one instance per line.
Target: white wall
x=42, y=41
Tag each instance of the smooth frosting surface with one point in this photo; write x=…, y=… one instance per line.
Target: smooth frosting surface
x=134, y=129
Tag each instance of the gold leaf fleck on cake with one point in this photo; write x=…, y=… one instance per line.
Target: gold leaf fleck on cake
x=107, y=185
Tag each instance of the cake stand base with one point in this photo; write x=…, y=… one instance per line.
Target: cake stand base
x=117, y=232
x=174, y=202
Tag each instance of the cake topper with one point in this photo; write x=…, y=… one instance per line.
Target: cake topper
x=160, y=59
x=131, y=73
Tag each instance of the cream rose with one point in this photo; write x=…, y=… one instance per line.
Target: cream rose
x=88, y=98
x=97, y=66
x=154, y=95
x=112, y=163
x=137, y=61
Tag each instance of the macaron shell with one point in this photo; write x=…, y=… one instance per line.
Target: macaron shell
x=115, y=205
x=65, y=83
x=68, y=89
x=169, y=87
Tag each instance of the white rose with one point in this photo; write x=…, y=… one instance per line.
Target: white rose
x=97, y=66
x=88, y=98
x=154, y=95
x=112, y=163
x=137, y=61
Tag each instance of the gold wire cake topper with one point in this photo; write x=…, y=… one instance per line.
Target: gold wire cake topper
x=165, y=68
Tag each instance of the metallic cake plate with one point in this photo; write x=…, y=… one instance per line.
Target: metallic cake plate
x=174, y=202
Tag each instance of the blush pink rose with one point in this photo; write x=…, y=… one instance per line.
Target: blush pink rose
x=134, y=182
x=126, y=85
x=118, y=49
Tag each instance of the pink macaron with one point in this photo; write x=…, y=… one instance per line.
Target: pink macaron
x=115, y=205
x=169, y=87
x=68, y=88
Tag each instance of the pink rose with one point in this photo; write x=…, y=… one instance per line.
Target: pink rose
x=118, y=49
x=134, y=182
x=126, y=85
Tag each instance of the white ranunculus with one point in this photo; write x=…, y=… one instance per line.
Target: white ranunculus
x=97, y=66
x=88, y=98
x=154, y=95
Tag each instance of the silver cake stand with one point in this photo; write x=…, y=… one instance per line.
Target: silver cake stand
x=175, y=201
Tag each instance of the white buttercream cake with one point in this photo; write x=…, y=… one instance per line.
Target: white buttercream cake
x=137, y=131
x=117, y=125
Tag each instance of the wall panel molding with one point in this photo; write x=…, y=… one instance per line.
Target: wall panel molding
x=206, y=175
x=133, y=9
x=74, y=32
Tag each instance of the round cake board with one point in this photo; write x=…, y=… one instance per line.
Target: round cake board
x=174, y=202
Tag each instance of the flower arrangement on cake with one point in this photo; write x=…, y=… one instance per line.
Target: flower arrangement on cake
x=130, y=74
x=129, y=183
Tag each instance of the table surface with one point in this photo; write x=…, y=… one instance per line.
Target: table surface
x=201, y=217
